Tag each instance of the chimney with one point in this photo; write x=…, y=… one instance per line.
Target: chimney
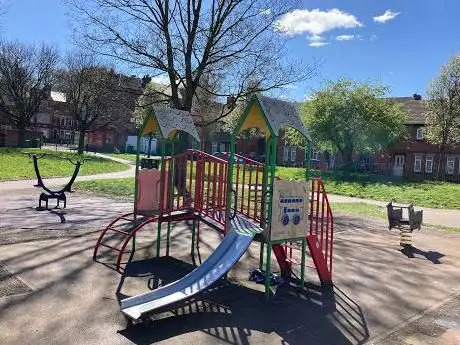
x=417, y=97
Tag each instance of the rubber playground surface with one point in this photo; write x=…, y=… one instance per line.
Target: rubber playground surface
x=51, y=291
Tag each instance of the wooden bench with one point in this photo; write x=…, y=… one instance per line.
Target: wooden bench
x=397, y=220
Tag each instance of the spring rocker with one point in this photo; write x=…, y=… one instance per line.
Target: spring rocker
x=48, y=194
x=235, y=195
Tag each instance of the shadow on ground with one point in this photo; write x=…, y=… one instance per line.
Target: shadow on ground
x=232, y=313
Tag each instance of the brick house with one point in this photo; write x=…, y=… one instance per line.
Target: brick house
x=53, y=120
x=415, y=158
x=52, y=123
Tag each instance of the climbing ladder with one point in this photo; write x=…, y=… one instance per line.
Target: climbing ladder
x=196, y=188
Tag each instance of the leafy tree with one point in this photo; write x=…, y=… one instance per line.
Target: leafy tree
x=347, y=117
x=26, y=73
x=442, y=122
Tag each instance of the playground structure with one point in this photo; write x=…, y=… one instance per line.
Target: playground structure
x=59, y=195
x=235, y=195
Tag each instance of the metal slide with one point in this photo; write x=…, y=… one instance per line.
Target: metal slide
x=232, y=247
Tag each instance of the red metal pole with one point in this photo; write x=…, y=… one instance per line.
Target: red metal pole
x=317, y=208
x=243, y=185
x=311, y=204
x=189, y=202
x=322, y=215
x=249, y=190
x=257, y=193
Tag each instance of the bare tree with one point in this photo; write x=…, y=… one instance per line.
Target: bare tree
x=442, y=122
x=26, y=72
x=93, y=95
x=234, y=42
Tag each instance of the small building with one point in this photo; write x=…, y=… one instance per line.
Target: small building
x=415, y=158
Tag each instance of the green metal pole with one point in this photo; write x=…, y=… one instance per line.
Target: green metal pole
x=170, y=197
x=136, y=192
x=192, y=251
x=267, y=272
x=261, y=255
x=302, y=267
x=230, y=179
x=162, y=168
x=308, y=149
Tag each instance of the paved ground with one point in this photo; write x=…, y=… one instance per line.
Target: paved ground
x=434, y=216
x=74, y=300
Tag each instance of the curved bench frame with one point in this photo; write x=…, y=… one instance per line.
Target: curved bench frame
x=54, y=194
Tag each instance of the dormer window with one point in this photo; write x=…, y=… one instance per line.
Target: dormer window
x=419, y=135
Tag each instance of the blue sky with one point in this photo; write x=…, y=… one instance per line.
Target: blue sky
x=403, y=52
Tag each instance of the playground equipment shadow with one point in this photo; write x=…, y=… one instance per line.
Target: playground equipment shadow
x=73, y=300
x=230, y=312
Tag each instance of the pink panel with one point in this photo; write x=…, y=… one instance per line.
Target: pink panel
x=148, y=187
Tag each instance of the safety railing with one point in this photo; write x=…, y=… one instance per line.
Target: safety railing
x=199, y=183
x=248, y=178
x=321, y=221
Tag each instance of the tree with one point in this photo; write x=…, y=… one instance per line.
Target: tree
x=231, y=41
x=347, y=117
x=442, y=118
x=93, y=95
x=26, y=72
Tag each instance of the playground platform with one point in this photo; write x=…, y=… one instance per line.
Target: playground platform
x=68, y=299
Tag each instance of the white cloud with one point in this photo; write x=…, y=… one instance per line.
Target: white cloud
x=315, y=38
x=315, y=22
x=318, y=44
x=317, y=41
x=345, y=37
x=388, y=15
x=373, y=37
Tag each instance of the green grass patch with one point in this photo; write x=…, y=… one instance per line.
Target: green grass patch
x=376, y=211
x=360, y=208
x=14, y=164
x=117, y=187
x=424, y=193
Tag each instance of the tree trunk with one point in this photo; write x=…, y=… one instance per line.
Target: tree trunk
x=81, y=142
x=438, y=170
x=21, y=136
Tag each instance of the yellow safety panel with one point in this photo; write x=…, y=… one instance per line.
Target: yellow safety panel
x=150, y=127
x=255, y=119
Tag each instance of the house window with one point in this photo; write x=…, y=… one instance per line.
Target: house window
x=293, y=153
x=222, y=147
x=418, y=164
x=450, y=165
x=315, y=154
x=213, y=147
x=419, y=134
x=429, y=164
x=286, y=154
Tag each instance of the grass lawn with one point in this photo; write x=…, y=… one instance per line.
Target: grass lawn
x=116, y=186
x=376, y=212
x=14, y=164
x=425, y=193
